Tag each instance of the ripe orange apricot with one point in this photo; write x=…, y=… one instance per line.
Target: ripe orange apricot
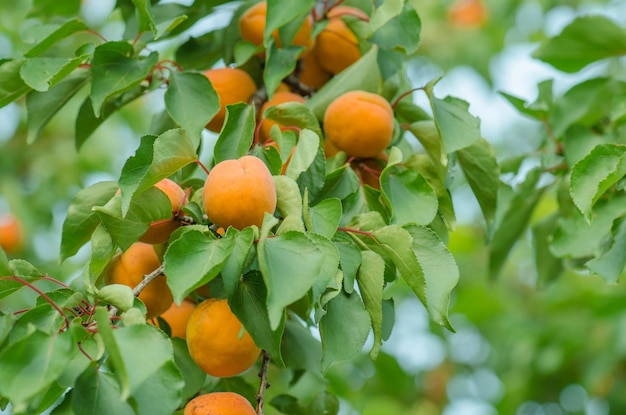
x=232, y=85
x=359, y=123
x=468, y=13
x=277, y=98
x=215, y=340
x=177, y=317
x=11, y=234
x=129, y=268
x=159, y=231
x=219, y=403
x=237, y=193
x=337, y=47
x=311, y=72
x=252, y=28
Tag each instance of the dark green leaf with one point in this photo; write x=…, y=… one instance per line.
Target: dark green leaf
x=279, y=63
x=11, y=84
x=294, y=114
x=42, y=73
x=610, y=264
x=371, y=279
x=193, y=376
x=98, y=392
x=144, y=12
x=402, y=32
x=160, y=393
x=55, y=35
x=282, y=12
x=237, y=134
x=409, y=195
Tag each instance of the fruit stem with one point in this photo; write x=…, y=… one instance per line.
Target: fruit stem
x=260, y=396
x=202, y=166
x=404, y=94
x=357, y=231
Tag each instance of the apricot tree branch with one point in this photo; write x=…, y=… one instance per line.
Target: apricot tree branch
x=260, y=396
x=147, y=279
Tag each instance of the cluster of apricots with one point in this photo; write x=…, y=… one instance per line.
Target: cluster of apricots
x=239, y=192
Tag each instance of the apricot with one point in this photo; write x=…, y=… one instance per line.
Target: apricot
x=337, y=47
x=252, y=28
x=177, y=317
x=277, y=98
x=359, y=123
x=219, y=403
x=232, y=85
x=237, y=193
x=311, y=72
x=468, y=14
x=159, y=231
x=11, y=234
x=129, y=268
x=217, y=341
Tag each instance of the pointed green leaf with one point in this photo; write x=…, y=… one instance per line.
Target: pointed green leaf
x=587, y=39
x=54, y=34
x=237, y=134
x=191, y=101
x=144, y=13
x=98, y=392
x=102, y=250
x=193, y=376
x=279, y=63
x=289, y=204
x=404, y=190
x=282, y=12
x=293, y=114
x=11, y=84
x=592, y=176
x=42, y=73
x=371, y=279
x=161, y=392
x=349, y=259
x=402, y=32
x=610, y=265
x=304, y=154
x=242, y=250
x=115, y=70
x=428, y=135
x=548, y=266
x=325, y=217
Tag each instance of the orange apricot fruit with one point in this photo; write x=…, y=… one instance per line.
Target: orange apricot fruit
x=238, y=192
x=277, y=98
x=177, y=317
x=252, y=28
x=337, y=47
x=11, y=234
x=359, y=123
x=232, y=85
x=129, y=268
x=311, y=72
x=159, y=231
x=466, y=14
x=217, y=341
x=219, y=403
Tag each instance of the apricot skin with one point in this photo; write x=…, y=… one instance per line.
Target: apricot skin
x=336, y=47
x=252, y=28
x=311, y=72
x=237, y=193
x=177, y=317
x=277, y=98
x=159, y=232
x=232, y=85
x=359, y=123
x=129, y=269
x=219, y=403
x=11, y=234
x=215, y=340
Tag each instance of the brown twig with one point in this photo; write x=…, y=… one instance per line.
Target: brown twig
x=147, y=279
x=264, y=384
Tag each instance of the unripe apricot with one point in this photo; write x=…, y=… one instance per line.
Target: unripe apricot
x=311, y=72
x=129, y=269
x=359, y=123
x=177, y=317
x=215, y=340
x=232, y=85
x=237, y=193
x=11, y=234
x=252, y=28
x=159, y=231
x=277, y=98
x=219, y=403
x=336, y=46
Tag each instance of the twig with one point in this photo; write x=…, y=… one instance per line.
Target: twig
x=147, y=279
x=260, y=396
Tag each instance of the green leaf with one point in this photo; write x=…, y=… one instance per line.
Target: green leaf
x=330, y=266
x=587, y=39
x=81, y=220
x=195, y=259
x=350, y=258
x=161, y=392
x=300, y=349
x=610, y=264
x=371, y=279
x=42, y=106
x=32, y=364
x=118, y=295
x=289, y=204
x=457, y=127
x=98, y=392
x=279, y=63
x=5, y=269
x=201, y=52
x=193, y=376
x=324, y=217
x=428, y=135
x=115, y=70
x=43, y=73
x=343, y=329
x=236, y=261
x=282, y=12
x=592, y=176
x=548, y=266
x=11, y=84
x=290, y=264
x=55, y=35
x=294, y=114
x=191, y=101
x=17, y=268
x=155, y=159
x=249, y=304
x=514, y=221
x=102, y=250
x=304, y=154
x=144, y=12
x=402, y=32
x=541, y=107
x=363, y=75
x=404, y=190
x=440, y=271
x=481, y=170
x=237, y=134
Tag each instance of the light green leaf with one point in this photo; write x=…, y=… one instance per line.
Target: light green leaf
x=324, y=217
x=98, y=392
x=12, y=86
x=371, y=280
x=402, y=32
x=55, y=34
x=279, y=63
x=304, y=154
x=237, y=134
x=42, y=73
x=294, y=114
x=611, y=263
x=146, y=20
x=409, y=196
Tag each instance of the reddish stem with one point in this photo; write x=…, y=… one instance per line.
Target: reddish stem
x=54, y=280
x=93, y=32
x=356, y=231
x=410, y=91
x=202, y=166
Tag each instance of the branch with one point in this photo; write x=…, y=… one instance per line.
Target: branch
x=147, y=279
x=260, y=396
